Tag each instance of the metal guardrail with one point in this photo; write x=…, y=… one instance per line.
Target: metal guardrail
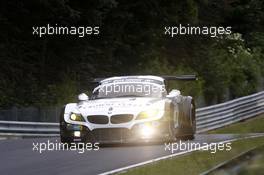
x=216, y=116
x=207, y=118
x=34, y=128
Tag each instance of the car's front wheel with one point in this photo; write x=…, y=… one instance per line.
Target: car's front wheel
x=65, y=139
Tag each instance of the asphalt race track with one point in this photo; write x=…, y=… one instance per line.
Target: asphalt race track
x=18, y=157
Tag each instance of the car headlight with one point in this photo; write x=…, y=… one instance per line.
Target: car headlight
x=146, y=130
x=76, y=117
x=147, y=114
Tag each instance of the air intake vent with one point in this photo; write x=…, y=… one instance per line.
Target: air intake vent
x=98, y=119
x=122, y=118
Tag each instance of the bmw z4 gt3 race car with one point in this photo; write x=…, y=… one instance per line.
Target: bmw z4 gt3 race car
x=129, y=109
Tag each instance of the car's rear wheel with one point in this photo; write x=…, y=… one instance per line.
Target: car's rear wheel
x=170, y=125
x=187, y=122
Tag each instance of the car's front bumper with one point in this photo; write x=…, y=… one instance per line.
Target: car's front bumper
x=143, y=132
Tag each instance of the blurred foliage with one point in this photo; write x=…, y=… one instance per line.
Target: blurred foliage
x=54, y=69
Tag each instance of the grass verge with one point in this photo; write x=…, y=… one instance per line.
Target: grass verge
x=255, y=125
x=196, y=162
x=255, y=166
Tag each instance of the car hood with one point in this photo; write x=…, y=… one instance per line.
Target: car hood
x=119, y=106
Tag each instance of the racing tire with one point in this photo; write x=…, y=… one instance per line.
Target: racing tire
x=172, y=130
x=188, y=116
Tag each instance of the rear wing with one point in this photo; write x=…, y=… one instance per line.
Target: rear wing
x=169, y=78
x=165, y=77
x=96, y=80
x=180, y=77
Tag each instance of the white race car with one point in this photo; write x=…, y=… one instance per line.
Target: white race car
x=129, y=109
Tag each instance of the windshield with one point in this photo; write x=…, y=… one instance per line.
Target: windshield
x=118, y=90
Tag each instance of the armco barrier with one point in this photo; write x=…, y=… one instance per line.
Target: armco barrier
x=216, y=116
x=207, y=118
x=29, y=127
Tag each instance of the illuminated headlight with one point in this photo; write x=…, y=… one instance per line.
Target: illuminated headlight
x=76, y=117
x=77, y=134
x=147, y=130
x=152, y=113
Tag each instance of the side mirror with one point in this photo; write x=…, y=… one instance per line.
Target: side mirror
x=83, y=97
x=173, y=93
